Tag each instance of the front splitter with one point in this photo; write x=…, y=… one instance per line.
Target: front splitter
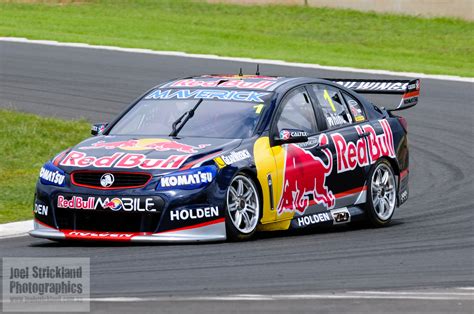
x=207, y=232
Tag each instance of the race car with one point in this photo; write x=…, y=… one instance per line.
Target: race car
x=219, y=157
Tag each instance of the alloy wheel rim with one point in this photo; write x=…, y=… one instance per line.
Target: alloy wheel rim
x=242, y=204
x=383, y=192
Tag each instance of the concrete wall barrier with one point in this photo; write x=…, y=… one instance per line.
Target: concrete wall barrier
x=428, y=8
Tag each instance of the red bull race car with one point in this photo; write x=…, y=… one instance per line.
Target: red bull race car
x=219, y=157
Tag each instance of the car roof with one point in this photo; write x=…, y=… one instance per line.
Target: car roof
x=241, y=82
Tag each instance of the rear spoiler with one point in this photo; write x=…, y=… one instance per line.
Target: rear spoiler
x=410, y=89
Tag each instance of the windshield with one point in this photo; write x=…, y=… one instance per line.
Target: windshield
x=212, y=118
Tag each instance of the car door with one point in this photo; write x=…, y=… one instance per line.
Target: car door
x=306, y=165
x=342, y=117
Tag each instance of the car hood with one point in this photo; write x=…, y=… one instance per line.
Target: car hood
x=152, y=154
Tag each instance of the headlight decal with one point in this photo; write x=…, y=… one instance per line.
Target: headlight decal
x=52, y=175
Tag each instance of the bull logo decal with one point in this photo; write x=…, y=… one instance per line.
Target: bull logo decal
x=305, y=176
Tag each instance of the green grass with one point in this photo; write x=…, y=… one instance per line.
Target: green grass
x=302, y=34
x=27, y=141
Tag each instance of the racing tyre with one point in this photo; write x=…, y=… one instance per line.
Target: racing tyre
x=382, y=194
x=243, y=208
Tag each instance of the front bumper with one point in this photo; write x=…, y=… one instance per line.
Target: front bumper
x=179, y=215
x=210, y=231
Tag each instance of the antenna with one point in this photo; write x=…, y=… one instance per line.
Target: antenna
x=258, y=69
x=240, y=73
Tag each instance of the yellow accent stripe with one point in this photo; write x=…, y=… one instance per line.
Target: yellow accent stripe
x=219, y=162
x=271, y=161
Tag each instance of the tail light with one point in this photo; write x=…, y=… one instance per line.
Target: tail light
x=404, y=123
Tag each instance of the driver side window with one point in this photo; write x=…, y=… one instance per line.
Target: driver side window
x=332, y=105
x=297, y=112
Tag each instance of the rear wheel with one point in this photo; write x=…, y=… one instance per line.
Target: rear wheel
x=381, y=194
x=243, y=208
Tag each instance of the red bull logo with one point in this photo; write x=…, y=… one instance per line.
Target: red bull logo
x=305, y=176
x=237, y=83
x=157, y=144
x=128, y=204
x=123, y=161
x=365, y=151
x=115, y=204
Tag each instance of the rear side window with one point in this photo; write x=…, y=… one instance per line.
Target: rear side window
x=355, y=107
x=330, y=100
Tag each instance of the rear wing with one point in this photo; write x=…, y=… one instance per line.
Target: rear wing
x=410, y=89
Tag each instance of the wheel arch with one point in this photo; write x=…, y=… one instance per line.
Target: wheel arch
x=394, y=163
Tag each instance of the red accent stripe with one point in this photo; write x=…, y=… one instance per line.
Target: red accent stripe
x=59, y=157
x=404, y=173
x=124, y=236
x=208, y=223
x=102, y=235
x=192, y=163
x=411, y=94
x=343, y=194
x=112, y=172
x=349, y=192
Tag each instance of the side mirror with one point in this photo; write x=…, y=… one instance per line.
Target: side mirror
x=98, y=128
x=288, y=136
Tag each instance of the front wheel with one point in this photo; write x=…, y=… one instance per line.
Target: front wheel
x=243, y=208
x=382, y=194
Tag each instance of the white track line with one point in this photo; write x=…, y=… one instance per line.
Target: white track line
x=433, y=293
x=388, y=295
x=15, y=229
x=261, y=61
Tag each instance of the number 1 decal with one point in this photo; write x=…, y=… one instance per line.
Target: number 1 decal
x=259, y=108
x=329, y=99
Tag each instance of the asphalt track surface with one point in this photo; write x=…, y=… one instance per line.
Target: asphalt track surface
x=428, y=247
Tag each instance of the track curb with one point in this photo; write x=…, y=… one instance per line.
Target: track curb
x=15, y=229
